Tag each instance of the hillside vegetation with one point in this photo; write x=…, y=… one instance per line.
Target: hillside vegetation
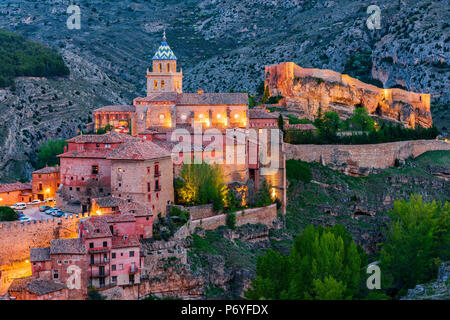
x=21, y=57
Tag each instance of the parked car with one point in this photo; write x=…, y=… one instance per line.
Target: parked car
x=51, y=200
x=19, y=206
x=34, y=202
x=59, y=214
x=49, y=211
x=44, y=208
x=24, y=219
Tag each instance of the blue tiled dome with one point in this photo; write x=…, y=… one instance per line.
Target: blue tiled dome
x=164, y=52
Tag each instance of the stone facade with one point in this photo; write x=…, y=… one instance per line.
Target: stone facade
x=306, y=89
x=45, y=183
x=15, y=192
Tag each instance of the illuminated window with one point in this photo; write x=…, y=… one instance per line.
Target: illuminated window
x=155, y=84
x=162, y=83
x=177, y=84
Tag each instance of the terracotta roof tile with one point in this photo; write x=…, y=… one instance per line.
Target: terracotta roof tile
x=96, y=227
x=42, y=286
x=47, y=170
x=116, y=109
x=67, y=246
x=260, y=114
x=235, y=98
x=15, y=187
x=138, y=150
x=124, y=242
x=39, y=254
x=109, y=137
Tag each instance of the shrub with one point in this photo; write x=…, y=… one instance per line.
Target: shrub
x=7, y=214
x=231, y=220
x=324, y=263
x=298, y=170
x=417, y=240
x=48, y=151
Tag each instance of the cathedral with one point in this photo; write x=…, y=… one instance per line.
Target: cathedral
x=166, y=108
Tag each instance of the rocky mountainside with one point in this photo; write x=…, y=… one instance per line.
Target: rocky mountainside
x=437, y=290
x=221, y=46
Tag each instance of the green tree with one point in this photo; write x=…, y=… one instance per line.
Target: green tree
x=417, y=240
x=328, y=289
x=266, y=95
x=7, y=214
x=361, y=120
x=330, y=123
x=324, y=263
x=263, y=197
x=201, y=184
x=48, y=151
x=280, y=122
x=231, y=220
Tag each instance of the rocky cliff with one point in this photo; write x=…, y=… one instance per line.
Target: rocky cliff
x=437, y=290
x=306, y=89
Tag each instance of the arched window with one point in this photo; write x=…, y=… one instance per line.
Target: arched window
x=162, y=83
x=160, y=67
x=168, y=67
x=155, y=84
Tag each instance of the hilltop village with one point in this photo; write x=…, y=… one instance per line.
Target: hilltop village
x=120, y=183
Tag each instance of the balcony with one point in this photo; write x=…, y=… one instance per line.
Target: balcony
x=98, y=250
x=98, y=274
x=99, y=262
x=133, y=269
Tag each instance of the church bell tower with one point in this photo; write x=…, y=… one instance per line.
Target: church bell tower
x=164, y=76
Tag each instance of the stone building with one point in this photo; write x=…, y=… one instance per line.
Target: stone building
x=15, y=192
x=45, y=183
x=132, y=168
x=167, y=111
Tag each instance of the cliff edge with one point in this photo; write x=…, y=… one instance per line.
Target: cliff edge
x=305, y=89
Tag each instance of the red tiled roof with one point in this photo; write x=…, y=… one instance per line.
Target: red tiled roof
x=138, y=150
x=85, y=154
x=17, y=186
x=96, y=227
x=47, y=170
x=260, y=114
x=124, y=242
x=109, y=137
x=116, y=109
x=234, y=98
x=67, y=246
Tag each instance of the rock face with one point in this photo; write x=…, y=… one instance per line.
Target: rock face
x=306, y=89
x=438, y=290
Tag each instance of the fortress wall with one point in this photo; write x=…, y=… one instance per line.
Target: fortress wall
x=280, y=79
x=17, y=239
x=263, y=215
x=378, y=156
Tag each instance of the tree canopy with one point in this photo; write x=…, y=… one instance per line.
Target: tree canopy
x=324, y=263
x=20, y=57
x=48, y=151
x=417, y=241
x=7, y=214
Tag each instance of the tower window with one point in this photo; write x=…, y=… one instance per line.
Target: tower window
x=168, y=67
x=155, y=84
x=162, y=83
x=160, y=67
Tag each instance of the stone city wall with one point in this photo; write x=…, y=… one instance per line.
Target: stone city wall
x=17, y=238
x=369, y=156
